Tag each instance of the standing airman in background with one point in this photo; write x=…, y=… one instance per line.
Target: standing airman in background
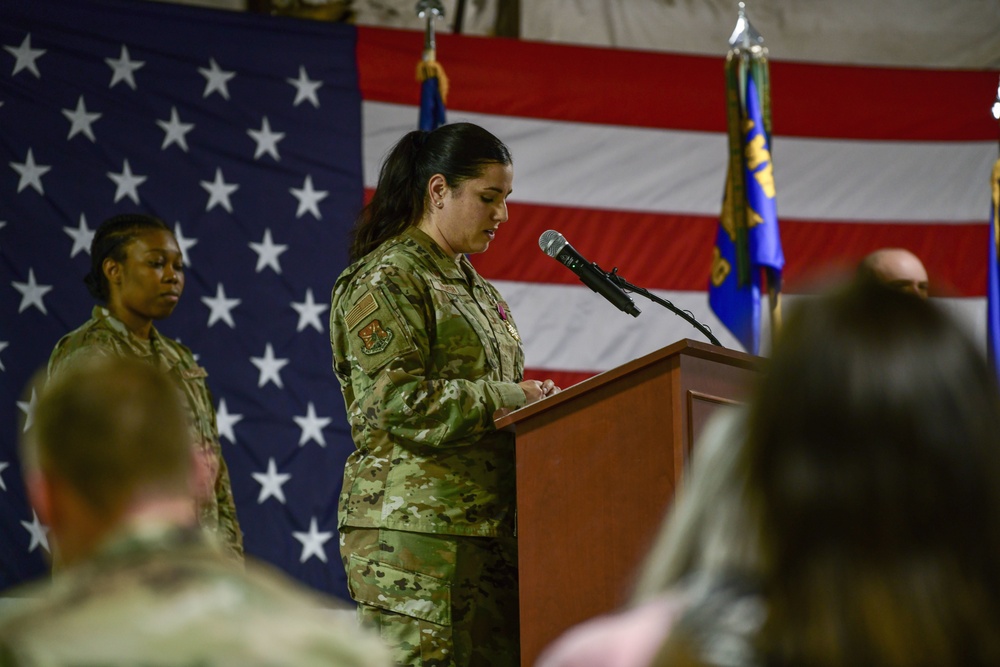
x=137, y=273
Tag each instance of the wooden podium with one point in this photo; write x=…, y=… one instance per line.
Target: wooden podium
x=596, y=467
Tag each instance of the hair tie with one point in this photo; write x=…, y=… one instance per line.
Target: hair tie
x=419, y=139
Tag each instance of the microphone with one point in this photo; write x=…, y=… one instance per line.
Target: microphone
x=555, y=245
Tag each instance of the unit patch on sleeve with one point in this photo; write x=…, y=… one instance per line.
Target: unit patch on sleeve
x=374, y=337
x=378, y=331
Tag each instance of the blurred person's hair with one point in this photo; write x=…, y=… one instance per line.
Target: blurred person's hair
x=873, y=460
x=708, y=528
x=112, y=428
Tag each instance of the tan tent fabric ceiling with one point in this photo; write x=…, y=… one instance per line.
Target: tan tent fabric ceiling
x=954, y=34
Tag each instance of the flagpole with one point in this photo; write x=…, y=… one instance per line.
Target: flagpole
x=429, y=10
x=430, y=74
x=995, y=109
x=995, y=180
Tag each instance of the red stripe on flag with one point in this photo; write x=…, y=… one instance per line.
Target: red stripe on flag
x=679, y=259
x=681, y=92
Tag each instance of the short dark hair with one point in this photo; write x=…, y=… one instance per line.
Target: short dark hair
x=111, y=240
x=110, y=426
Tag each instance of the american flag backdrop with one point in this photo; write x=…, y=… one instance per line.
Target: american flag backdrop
x=243, y=133
x=623, y=152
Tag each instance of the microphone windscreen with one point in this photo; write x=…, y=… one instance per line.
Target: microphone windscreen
x=551, y=242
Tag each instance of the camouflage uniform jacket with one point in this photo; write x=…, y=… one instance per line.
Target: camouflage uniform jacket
x=425, y=351
x=159, y=595
x=103, y=334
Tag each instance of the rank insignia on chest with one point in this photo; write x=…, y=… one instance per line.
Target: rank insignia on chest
x=374, y=337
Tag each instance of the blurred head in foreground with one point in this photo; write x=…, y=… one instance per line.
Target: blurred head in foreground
x=897, y=269
x=110, y=443
x=873, y=457
x=109, y=468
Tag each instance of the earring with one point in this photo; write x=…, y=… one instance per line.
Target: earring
x=440, y=204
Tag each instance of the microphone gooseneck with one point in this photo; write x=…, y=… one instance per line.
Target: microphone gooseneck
x=610, y=285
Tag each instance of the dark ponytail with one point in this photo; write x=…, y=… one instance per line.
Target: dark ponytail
x=457, y=151
x=111, y=240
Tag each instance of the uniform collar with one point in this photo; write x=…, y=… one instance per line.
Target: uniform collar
x=104, y=315
x=152, y=537
x=446, y=264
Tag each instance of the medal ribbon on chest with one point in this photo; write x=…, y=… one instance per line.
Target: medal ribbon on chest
x=502, y=312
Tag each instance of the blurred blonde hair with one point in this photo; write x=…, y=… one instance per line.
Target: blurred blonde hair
x=709, y=527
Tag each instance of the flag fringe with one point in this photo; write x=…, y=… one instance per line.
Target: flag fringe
x=430, y=68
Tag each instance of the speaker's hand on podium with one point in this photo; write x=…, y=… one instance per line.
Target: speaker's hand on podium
x=534, y=391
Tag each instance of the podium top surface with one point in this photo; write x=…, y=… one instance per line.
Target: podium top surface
x=684, y=347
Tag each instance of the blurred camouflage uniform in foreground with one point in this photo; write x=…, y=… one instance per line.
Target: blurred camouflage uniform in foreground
x=161, y=596
x=104, y=335
x=426, y=352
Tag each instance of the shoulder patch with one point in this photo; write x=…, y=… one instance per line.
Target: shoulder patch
x=362, y=309
x=375, y=338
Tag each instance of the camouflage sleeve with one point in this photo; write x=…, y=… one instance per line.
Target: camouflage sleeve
x=205, y=429
x=229, y=527
x=69, y=350
x=387, y=330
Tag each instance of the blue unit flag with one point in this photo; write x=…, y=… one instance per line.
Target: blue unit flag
x=748, y=240
x=993, y=275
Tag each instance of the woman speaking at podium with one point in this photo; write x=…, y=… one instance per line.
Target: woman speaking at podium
x=427, y=353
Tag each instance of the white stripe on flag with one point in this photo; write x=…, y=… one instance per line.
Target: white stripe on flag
x=639, y=169
x=570, y=328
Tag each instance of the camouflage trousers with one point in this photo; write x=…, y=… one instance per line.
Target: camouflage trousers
x=436, y=600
